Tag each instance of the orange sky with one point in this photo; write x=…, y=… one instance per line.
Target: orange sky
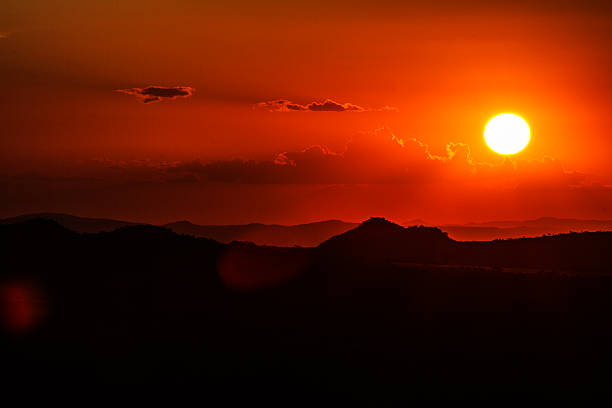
x=430, y=71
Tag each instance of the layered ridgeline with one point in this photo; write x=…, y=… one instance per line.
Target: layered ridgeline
x=485, y=231
x=72, y=222
x=306, y=235
x=376, y=241
x=312, y=234
x=380, y=240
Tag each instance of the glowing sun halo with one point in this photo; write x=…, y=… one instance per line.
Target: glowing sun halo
x=507, y=133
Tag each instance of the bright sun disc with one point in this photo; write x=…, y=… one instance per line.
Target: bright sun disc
x=507, y=133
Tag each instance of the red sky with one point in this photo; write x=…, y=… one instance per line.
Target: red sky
x=412, y=83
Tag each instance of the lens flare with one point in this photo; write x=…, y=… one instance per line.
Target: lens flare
x=21, y=307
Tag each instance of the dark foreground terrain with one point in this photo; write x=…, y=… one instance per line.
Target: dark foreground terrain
x=380, y=313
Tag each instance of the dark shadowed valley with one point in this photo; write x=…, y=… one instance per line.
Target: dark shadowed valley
x=377, y=313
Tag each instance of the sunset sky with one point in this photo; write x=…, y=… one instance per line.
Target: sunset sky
x=290, y=112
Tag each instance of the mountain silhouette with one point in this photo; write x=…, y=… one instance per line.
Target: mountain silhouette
x=379, y=240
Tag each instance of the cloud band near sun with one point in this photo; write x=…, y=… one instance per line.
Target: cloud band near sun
x=378, y=157
x=159, y=93
x=328, y=105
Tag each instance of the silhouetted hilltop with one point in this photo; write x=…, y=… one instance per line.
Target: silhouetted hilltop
x=307, y=235
x=379, y=239
x=74, y=223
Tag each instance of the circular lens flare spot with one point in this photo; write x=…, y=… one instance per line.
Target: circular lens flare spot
x=21, y=307
x=507, y=133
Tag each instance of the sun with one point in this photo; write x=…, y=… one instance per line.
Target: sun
x=507, y=133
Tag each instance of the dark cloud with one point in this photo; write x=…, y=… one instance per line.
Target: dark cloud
x=283, y=105
x=375, y=173
x=159, y=93
x=378, y=157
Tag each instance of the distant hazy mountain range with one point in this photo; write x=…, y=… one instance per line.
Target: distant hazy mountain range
x=312, y=234
x=486, y=231
x=77, y=224
x=306, y=235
